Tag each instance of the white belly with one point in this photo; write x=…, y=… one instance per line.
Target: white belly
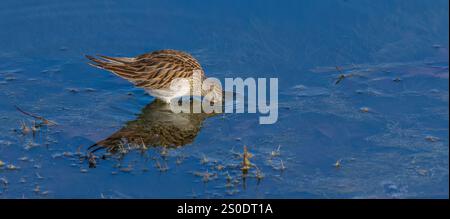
x=167, y=94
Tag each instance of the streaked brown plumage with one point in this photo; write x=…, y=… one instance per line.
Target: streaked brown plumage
x=157, y=125
x=154, y=71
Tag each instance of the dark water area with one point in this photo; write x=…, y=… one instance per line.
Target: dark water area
x=380, y=132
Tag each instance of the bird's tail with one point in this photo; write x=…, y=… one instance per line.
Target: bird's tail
x=104, y=61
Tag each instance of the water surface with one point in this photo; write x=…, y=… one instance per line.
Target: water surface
x=386, y=124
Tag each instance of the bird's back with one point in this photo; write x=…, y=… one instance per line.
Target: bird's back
x=153, y=70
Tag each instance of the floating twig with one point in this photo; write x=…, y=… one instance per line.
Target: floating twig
x=44, y=120
x=342, y=75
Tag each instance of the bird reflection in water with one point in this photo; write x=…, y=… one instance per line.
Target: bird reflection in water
x=157, y=125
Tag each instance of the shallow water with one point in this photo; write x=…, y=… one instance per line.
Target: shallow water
x=386, y=123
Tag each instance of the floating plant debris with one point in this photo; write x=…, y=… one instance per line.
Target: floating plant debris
x=339, y=79
x=275, y=152
x=437, y=46
x=161, y=168
x=282, y=166
x=92, y=160
x=397, y=80
x=25, y=129
x=44, y=120
x=37, y=189
x=89, y=90
x=259, y=175
x=364, y=109
x=11, y=167
x=431, y=138
x=23, y=158
x=34, y=128
x=10, y=78
x=73, y=90
x=4, y=181
x=220, y=167
x=206, y=176
x=39, y=176
x=422, y=172
x=246, y=164
x=127, y=169
x=337, y=164
x=342, y=76
x=204, y=160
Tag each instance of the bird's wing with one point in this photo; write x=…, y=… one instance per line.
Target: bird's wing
x=152, y=70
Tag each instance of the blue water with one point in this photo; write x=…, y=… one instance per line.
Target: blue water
x=387, y=124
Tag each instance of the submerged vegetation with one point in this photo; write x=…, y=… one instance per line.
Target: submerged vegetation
x=150, y=137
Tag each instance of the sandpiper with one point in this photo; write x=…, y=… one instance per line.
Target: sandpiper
x=155, y=72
